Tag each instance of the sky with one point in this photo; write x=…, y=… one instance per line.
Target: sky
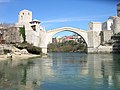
x=60, y=13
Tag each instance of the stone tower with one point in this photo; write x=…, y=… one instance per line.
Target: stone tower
x=116, y=21
x=118, y=10
x=116, y=25
x=93, y=35
x=24, y=17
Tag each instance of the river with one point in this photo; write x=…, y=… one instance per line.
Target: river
x=62, y=71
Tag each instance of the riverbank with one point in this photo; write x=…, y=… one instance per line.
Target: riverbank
x=19, y=57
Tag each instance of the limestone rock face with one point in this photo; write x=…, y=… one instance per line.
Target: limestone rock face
x=1, y=51
x=24, y=51
x=18, y=51
x=14, y=49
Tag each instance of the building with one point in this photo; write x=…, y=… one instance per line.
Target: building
x=95, y=26
x=35, y=34
x=77, y=38
x=118, y=10
x=107, y=25
x=57, y=40
x=32, y=27
x=107, y=30
x=94, y=34
x=67, y=38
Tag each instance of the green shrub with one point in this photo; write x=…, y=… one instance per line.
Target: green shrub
x=22, y=32
x=34, y=49
x=6, y=51
x=67, y=46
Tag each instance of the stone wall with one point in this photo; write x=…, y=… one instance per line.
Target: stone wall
x=106, y=36
x=93, y=39
x=107, y=24
x=116, y=25
x=101, y=49
x=12, y=35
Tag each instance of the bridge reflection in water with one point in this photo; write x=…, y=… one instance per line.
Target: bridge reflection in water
x=62, y=71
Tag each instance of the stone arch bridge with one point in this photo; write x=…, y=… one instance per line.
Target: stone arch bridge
x=37, y=36
x=51, y=33
x=91, y=37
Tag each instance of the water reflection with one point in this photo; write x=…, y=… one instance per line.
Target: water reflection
x=66, y=71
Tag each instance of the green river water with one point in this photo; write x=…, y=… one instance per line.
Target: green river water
x=62, y=71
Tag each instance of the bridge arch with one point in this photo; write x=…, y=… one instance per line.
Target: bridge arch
x=51, y=33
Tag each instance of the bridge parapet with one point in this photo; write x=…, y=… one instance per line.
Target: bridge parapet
x=66, y=28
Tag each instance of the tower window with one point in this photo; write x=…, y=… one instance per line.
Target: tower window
x=28, y=13
x=23, y=13
x=34, y=27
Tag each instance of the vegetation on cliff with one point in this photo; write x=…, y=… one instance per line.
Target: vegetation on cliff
x=22, y=32
x=68, y=46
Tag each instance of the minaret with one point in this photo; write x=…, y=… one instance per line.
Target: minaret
x=118, y=10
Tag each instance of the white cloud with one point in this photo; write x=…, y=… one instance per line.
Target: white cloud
x=72, y=19
x=57, y=20
x=67, y=20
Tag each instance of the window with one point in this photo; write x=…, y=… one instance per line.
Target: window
x=21, y=17
x=34, y=27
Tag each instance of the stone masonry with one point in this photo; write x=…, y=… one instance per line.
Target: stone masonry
x=10, y=34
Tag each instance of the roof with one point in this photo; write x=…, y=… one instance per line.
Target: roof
x=35, y=20
x=25, y=10
x=69, y=37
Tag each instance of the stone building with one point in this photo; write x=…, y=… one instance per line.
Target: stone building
x=116, y=21
x=33, y=30
x=107, y=30
x=94, y=34
x=118, y=10
x=116, y=25
x=107, y=25
x=106, y=37
x=96, y=37
x=100, y=39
